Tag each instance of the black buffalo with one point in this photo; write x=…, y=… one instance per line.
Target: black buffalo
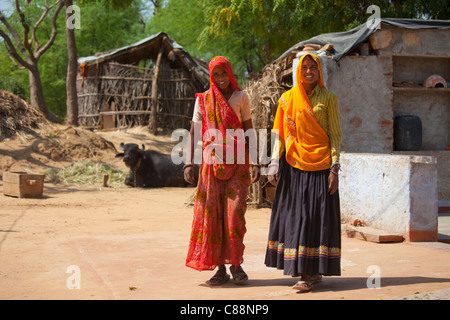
x=150, y=169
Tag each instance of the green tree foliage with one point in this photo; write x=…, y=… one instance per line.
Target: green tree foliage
x=279, y=24
x=251, y=33
x=102, y=28
x=12, y=79
x=182, y=20
x=27, y=33
x=187, y=22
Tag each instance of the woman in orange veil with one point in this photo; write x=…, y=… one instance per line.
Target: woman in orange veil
x=304, y=233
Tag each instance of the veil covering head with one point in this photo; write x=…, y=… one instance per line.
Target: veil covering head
x=225, y=64
x=217, y=112
x=218, y=118
x=298, y=74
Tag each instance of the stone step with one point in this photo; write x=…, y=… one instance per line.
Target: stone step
x=371, y=234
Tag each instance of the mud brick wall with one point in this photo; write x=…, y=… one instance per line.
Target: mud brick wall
x=363, y=85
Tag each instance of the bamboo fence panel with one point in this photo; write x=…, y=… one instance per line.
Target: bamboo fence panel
x=124, y=92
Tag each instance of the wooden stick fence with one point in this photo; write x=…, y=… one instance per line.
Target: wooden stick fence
x=123, y=96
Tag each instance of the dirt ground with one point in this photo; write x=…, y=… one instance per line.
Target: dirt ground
x=95, y=242
x=57, y=146
x=125, y=243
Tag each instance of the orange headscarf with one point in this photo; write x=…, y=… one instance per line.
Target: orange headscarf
x=307, y=144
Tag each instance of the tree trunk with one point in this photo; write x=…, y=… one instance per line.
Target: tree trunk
x=37, y=99
x=72, y=67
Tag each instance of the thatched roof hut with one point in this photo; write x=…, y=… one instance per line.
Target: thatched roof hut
x=149, y=83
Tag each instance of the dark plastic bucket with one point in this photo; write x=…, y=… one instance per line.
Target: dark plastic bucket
x=407, y=133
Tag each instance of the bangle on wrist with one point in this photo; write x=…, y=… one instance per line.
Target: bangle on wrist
x=187, y=165
x=337, y=166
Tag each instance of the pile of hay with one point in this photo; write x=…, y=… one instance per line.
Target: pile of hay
x=17, y=116
x=264, y=93
x=86, y=173
x=63, y=143
x=29, y=142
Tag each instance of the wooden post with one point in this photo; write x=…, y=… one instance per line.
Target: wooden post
x=154, y=108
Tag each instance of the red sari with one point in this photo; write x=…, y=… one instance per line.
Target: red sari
x=218, y=227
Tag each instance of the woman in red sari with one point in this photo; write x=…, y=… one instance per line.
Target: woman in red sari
x=218, y=227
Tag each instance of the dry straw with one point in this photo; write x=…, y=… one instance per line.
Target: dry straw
x=86, y=173
x=18, y=117
x=264, y=93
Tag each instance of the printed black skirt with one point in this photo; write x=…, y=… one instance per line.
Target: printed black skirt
x=305, y=226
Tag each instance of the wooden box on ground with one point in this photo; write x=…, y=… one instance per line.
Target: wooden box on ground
x=23, y=185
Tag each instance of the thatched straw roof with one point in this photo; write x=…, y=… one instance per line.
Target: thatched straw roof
x=149, y=48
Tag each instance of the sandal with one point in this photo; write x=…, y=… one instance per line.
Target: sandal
x=219, y=278
x=303, y=285
x=239, y=275
x=306, y=282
